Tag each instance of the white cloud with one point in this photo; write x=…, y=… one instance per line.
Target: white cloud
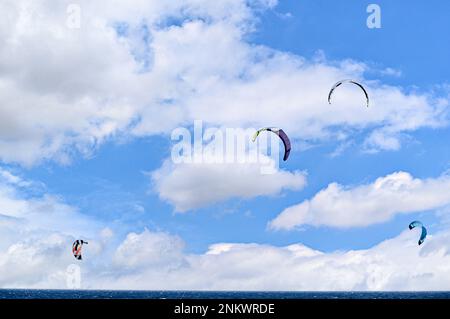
x=38, y=253
x=148, y=249
x=189, y=186
x=37, y=230
x=23, y=213
x=34, y=261
x=9, y=178
x=155, y=261
x=391, y=72
x=379, y=140
x=68, y=90
x=395, y=264
x=363, y=205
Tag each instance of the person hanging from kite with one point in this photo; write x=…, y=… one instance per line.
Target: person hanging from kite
x=281, y=134
x=77, y=247
x=423, y=234
x=339, y=83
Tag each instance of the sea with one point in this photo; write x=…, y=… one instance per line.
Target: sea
x=180, y=295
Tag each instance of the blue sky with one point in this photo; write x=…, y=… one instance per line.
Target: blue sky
x=411, y=38
x=110, y=181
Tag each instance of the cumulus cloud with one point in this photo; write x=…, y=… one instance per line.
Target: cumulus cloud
x=363, y=205
x=394, y=264
x=144, y=67
x=37, y=230
x=189, y=186
x=380, y=140
x=24, y=213
x=45, y=213
x=32, y=261
x=37, y=255
x=148, y=249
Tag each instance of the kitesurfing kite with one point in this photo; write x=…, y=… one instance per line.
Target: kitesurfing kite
x=281, y=134
x=76, y=248
x=348, y=81
x=424, y=230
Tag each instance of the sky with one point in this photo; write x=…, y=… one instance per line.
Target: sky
x=92, y=93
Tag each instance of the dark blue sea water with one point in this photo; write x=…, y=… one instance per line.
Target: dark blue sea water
x=133, y=294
